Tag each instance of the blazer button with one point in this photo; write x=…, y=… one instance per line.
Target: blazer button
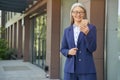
x=79, y=51
x=79, y=60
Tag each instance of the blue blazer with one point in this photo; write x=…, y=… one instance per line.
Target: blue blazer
x=83, y=61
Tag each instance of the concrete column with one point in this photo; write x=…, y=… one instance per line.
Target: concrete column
x=53, y=38
x=19, y=39
x=15, y=29
x=26, y=39
x=97, y=17
x=11, y=36
x=8, y=36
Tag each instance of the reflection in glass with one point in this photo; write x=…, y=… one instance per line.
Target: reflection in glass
x=119, y=21
x=113, y=40
x=40, y=40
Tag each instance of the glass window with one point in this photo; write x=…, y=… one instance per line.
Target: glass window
x=40, y=40
x=113, y=39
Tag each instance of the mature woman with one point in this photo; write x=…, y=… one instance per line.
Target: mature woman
x=78, y=45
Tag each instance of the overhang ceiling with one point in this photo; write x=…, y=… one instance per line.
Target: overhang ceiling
x=14, y=5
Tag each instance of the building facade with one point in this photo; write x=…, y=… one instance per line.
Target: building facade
x=37, y=34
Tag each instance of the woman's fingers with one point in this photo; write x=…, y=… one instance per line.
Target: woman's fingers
x=84, y=29
x=73, y=51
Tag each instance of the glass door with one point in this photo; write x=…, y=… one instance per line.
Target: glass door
x=40, y=40
x=113, y=40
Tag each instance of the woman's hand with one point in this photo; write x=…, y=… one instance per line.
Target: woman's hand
x=83, y=26
x=72, y=51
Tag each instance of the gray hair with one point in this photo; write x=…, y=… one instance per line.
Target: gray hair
x=77, y=5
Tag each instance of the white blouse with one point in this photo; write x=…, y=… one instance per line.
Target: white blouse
x=76, y=30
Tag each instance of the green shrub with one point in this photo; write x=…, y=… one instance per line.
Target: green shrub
x=8, y=54
x=3, y=48
x=5, y=52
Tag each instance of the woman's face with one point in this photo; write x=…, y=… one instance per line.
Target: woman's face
x=78, y=14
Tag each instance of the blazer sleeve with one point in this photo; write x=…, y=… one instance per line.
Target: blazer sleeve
x=91, y=39
x=64, y=45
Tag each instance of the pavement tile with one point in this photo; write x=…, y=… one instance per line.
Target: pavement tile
x=19, y=70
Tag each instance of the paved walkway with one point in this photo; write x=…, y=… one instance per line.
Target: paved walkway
x=19, y=70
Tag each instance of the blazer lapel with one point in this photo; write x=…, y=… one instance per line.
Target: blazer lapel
x=71, y=36
x=80, y=37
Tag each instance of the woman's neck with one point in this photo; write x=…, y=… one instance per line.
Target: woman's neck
x=77, y=23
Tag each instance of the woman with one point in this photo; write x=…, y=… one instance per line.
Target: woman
x=78, y=44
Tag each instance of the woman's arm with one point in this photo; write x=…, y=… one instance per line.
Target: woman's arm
x=91, y=39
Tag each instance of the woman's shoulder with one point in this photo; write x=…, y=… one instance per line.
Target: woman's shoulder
x=68, y=28
x=91, y=25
